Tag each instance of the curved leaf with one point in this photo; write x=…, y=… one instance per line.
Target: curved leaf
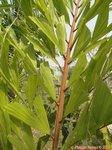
x=24, y=114
x=46, y=29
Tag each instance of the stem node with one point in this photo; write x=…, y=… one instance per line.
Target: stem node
x=67, y=42
x=69, y=62
x=75, y=30
x=72, y=14
x=66, y=89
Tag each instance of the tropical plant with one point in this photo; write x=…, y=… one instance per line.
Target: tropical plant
x=32, y=34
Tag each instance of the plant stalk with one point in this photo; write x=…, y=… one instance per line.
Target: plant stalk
x=59, y=114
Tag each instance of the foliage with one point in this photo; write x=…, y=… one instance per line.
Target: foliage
x=32, y=32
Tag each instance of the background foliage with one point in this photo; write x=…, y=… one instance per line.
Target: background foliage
x=31, y=33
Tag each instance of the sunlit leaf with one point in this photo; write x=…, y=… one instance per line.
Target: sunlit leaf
x=61, y=8
x=102, y=22
x=48, y=80
x=61, y=34
x=22, y=113
x=18, y=144
x=78, y=69
x=83, y=41
x=31, y=92
x=46, y=29
x=3, y=94
x=41, y=113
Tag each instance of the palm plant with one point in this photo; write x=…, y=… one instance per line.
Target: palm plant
x=32, y=32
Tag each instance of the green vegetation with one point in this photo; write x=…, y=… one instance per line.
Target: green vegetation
x=39, y=109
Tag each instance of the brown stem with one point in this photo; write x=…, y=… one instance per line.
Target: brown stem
x=63, y=84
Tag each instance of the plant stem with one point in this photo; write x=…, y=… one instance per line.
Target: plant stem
x=59, y=114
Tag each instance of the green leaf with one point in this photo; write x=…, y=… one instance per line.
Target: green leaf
x=70, y=4
x=107, y=65
x=89, y=13
x=12, y=39
x=23, y=133
x=91, y=75
x=28, y=137
x=85, y=127
x=14, y=71
x=46, y=29
x=102, y=104
x=39, y=47
x=17, y=143
x=78, y=69
x=50, y=13
x=81, y=23
x=29, y=66
x=11, y=85
x=5, y=6
x=41, y=113
x=43, y=4
x=94, y=45
x=102, y=22
x=42, y=142
x=61, y=9
x=97, y=6
x=78, y=86
x=61, y=34
x=31, y=92
x=22, y=113
x=29, y=51
x=49, y=46
x=20, y=48
x=4, y=58
x=81, y=130
x=30, y=62
x=106, y=31
x=48, y=80
x=78, y=96
x=3, y=94
x=83, y=41
x=27, y=7
x=4, y=130
x=96, y=66
x=89, y=121
x=38, y=6
x=16, y=126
